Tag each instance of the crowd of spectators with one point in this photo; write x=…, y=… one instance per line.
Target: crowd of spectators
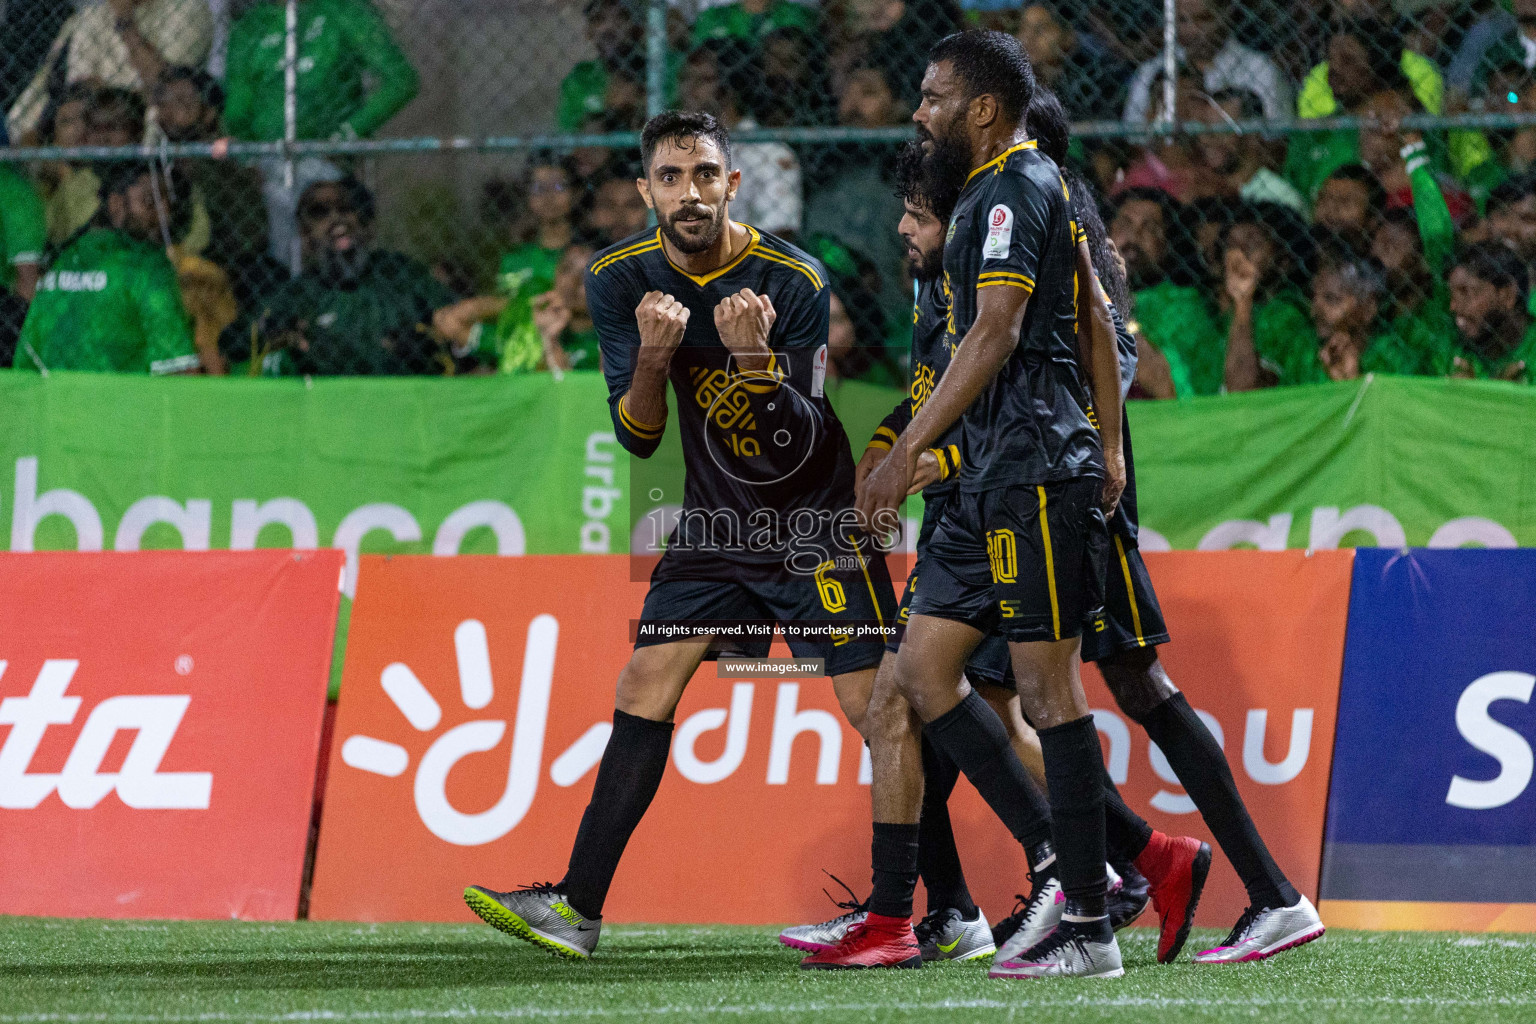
x=1254, y=258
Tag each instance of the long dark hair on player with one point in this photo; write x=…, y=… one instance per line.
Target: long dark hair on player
x=1047, y=124
x=1085, y=210
x=916, y=185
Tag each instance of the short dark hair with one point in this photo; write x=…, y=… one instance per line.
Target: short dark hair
x=683, y=127
x=992, y=64
x=357, y=195
x=1496, y=264
x=917, y=188
x=1511, y=191
x=1048, y=125
x=208, y=88
x=126, y=102
x=1376, y=196
x=118, y=176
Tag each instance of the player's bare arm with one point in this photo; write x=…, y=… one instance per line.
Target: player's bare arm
x=662, y=320
x=1096, y=335
x=982, y=353
x=744, y=320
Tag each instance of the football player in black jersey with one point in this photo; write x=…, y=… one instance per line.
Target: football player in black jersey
x=1125, y=649
x=955, y=928
x=736, y=319
x=1020, y=548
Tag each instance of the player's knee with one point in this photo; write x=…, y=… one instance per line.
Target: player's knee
x=645, y=694
x=929, y=695
x=1137, y=681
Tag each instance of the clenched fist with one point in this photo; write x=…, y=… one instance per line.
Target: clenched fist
x=743, y=320
x=662, y=319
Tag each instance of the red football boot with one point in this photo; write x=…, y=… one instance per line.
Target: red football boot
x=1177, y=869
x=877, y=942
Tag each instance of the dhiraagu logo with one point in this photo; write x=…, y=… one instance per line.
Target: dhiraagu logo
x=476, y=690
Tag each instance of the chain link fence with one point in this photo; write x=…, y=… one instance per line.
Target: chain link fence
x=1301, y=191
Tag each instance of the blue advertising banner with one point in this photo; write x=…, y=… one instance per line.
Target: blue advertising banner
x=1432, y=796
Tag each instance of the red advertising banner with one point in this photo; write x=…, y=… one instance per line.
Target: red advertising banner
x=478, y=694
x=159, y=730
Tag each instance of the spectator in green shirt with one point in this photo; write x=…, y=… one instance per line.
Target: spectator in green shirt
x=550, y=330
x=1171, y=312
x=1349, y=205
x=110, y=301
x=1495, y=338
x=1269, y=330
x=750, y=20
x=529, y=268
x=1365, y=57
x=23, y=234
x=354, y=310
x=614, y=83
x=352, y=78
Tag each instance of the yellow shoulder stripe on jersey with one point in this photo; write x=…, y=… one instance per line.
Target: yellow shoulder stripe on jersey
x=774, y=256
x=703, y=279
x=887, y=435
x=646, y=431
x=654, y=242
x=996, y=163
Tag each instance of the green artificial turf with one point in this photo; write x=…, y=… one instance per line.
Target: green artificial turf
x=60, y=971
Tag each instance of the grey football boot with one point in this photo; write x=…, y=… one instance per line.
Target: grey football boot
x=945, y=935
x=538, y=914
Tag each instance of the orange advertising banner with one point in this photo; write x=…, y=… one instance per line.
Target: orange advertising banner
x=478, y=695
x=160, y=730
x=1258, y=649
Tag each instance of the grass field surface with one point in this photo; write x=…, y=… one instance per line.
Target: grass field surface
x=64, y=971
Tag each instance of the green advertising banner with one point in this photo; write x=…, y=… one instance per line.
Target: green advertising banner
x=516, y=465
x=528, y=464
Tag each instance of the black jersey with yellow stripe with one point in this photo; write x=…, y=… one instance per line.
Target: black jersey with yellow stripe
x=762, y=440
x=1012, y=228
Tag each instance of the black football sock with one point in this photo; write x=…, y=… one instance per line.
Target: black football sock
x=894, y=856
x=1126, y=833
x=973, y=737
x=938, y=862
x=627, y=780
x=1197, y=759
x=1074, y=773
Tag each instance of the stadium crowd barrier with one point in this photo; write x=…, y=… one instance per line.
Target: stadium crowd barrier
x=477, y=698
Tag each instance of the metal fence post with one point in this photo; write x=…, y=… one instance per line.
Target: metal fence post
x=1170, y=66
x=656, y=58
x=291, y=116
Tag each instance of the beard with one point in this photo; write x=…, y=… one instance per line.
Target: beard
x=946, y=161
x=700, y=242
x=926, y=266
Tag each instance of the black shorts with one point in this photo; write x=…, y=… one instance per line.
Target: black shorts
x=1025, y=562
x=988, y=663
x=856, y=591
x=1132, y=617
